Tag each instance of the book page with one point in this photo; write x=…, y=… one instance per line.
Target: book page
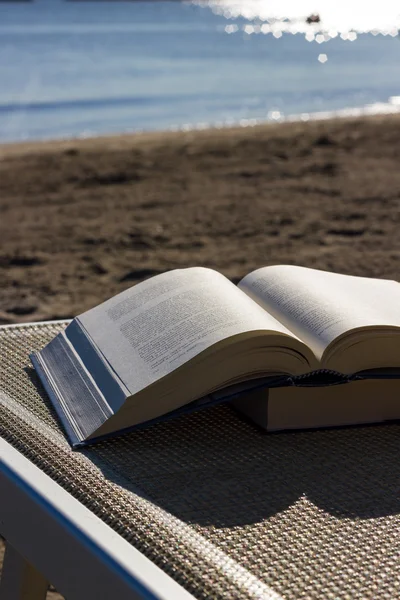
x=319, y=306
x=153, y=328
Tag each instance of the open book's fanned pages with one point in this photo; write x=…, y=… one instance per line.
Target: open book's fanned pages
x=189, y=338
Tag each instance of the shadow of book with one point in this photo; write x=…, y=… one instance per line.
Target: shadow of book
x=214, y=469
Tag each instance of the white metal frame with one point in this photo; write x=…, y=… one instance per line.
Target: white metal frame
x=51, y=537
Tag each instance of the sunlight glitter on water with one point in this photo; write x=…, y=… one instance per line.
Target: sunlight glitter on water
x=291, y=15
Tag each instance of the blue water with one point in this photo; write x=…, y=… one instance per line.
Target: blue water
x=73, y=69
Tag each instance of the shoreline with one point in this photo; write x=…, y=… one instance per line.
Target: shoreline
x=84, y=219
x=375, y=110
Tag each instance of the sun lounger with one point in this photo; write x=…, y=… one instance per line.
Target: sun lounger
x=204, y=506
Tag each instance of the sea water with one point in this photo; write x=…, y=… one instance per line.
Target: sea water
x=89, y=68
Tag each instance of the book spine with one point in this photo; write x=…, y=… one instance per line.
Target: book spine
x=77, y=400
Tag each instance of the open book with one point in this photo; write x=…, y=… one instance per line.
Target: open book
x=190, y=337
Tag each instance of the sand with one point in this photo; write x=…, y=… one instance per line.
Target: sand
x=83, y=220
x=52, y=594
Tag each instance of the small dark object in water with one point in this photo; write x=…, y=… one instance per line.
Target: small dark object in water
x=315, y=18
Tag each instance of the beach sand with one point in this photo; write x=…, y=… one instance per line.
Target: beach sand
x=84, y=220
x=52, y=594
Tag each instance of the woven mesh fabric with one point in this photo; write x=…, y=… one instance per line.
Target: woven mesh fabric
x=226, y=510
